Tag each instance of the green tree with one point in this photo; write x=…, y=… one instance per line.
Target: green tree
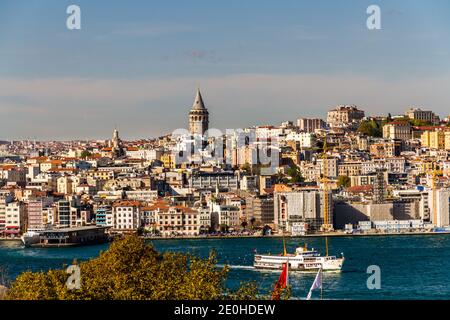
x=420, y=123
x=343, y=181
x=280, y=178
x=85, y=154
x=295, y=175
x=246, y=167
x=370, y=128
x=133, y=270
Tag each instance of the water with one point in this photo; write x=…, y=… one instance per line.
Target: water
x=412, y=267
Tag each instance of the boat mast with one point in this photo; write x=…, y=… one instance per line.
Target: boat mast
x=325, y=180
x=321, y=284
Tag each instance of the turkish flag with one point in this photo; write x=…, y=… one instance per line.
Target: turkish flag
x=282, y=283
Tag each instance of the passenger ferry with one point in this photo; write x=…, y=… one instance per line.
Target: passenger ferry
x=303, y=260
x=31, y=237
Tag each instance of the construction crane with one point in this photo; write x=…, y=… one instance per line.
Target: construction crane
x=326, y=226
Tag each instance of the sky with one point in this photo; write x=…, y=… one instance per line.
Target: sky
x=136, y=64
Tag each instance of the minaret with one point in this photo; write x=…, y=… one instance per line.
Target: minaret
x=115, y=139
x=198, y=116
x=116, y=144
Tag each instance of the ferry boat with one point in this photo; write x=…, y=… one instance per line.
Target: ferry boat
x=65, y=237
x=30, y=237
x=303, y=260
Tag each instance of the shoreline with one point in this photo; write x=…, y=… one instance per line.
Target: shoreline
x=331, y=235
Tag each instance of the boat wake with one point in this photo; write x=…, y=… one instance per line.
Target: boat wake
x=236, y=267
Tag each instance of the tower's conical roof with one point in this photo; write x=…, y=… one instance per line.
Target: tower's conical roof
x=198, y=102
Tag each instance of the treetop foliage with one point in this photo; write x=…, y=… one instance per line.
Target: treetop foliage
x=133, y=270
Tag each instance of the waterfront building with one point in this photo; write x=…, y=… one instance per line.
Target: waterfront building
x=126, y=216
x=178, y=220
x=15, y=218
x=259, y=208
x=439, y=202
x=3, y=202
x=35, y=215
x=104, y=216
x=63, y=210
x=148, y=218
x=303, y=205
x=227, y=216
x=205, y=219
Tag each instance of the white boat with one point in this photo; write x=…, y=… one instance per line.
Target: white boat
x=30, y=237
x=303, y=260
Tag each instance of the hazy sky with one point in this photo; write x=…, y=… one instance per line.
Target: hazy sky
x=136, y=64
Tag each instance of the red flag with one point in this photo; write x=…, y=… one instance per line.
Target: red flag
x=281, y=284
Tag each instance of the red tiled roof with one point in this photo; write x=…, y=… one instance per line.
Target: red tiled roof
x=360, y=189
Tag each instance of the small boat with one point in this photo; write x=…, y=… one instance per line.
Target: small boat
x=302, y=260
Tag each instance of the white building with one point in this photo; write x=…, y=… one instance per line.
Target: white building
x=311, y=125
x=15, y=218
x=439, y=202
x=228, y=215
x=126, y=216
x=305, y=139
x=300, y=206
x=399, y=130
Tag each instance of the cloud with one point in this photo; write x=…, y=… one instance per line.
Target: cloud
x=89, y=108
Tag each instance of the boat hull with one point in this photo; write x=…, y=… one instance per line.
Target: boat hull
x=327, y=264
x=30, y=239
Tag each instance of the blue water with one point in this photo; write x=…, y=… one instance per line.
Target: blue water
x=412, y=267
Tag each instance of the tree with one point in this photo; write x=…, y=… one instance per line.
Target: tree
x=280, y=178
x=85, y=154
x=419, y=123
x=246, y=167
x=252, y=221
x=343, y=181
x=370, y=128
x=133, y=270
x=295, y=175
x=389, y=117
